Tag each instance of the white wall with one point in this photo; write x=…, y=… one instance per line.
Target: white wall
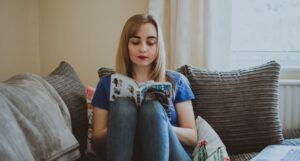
x=19, y=39
x=83, y=33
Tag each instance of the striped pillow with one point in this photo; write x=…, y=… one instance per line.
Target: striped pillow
x=103, y=71
x=241, y=105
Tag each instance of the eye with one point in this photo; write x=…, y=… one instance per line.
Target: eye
x=151, y=41
x=134, y=41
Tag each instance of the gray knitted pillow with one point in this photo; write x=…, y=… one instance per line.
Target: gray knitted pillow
x=103, y=71
x=68, y=85
x=241, y=105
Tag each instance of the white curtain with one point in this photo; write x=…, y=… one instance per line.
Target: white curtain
x=190, y=32
x=182, y=23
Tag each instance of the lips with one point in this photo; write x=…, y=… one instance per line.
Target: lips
x=142, y=57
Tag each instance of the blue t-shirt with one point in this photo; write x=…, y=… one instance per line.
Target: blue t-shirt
x=182, y=92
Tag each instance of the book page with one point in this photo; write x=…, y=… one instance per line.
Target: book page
x=122, y=86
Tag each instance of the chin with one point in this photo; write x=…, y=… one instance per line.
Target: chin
x=142, y=64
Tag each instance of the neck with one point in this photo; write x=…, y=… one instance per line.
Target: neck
x=141, y=74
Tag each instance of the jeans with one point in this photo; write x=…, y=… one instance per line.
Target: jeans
x=149, y=126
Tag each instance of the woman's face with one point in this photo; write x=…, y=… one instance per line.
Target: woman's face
x=143, y=46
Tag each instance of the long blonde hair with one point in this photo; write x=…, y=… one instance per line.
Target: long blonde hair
x=123, y=62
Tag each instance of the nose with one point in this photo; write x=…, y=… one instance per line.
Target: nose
x=143, y=47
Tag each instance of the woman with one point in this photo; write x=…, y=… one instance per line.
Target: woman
x=124, y=127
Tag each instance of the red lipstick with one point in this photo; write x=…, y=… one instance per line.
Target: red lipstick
x=142, y=57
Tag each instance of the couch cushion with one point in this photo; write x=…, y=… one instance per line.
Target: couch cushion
x=105, y=71
x=291, y=133
x=65, y=80
x=241, y=105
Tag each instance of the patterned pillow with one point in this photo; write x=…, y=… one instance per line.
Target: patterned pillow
x=68, y=85
x=209, y=145
x=89, y=97
x=241, y=105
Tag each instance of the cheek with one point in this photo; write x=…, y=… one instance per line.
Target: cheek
x=154, y=52
x=132, y=50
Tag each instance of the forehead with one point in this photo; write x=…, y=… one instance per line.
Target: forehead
x=146, y=29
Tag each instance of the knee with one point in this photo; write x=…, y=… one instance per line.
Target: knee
x=123, y=107
x=151, y=111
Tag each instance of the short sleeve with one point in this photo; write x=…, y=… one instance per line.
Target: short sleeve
x=101, y=96
x=183, y=90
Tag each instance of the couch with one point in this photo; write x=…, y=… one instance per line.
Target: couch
x=241, y=105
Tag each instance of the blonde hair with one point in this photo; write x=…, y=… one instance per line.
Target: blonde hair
x=123, y=62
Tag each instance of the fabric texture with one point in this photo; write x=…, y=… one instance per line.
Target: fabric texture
x=241, y=105
x=105, y=72
x=209, y=145
x=66, y=82
x=34, y=121
x=243, y=157
x=291, y=133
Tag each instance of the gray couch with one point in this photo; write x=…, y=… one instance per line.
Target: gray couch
x=241, y=106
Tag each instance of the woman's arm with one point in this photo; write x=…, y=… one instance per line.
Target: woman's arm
x=100, y=119
x=186, y=130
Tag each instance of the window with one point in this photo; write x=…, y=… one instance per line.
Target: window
x=263, y=30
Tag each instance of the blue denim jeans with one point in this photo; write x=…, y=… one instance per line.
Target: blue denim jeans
x=149, y=126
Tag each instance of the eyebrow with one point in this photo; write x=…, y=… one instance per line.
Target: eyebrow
x=149, y=37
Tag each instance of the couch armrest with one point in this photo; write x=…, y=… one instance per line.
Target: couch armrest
x=291, y=133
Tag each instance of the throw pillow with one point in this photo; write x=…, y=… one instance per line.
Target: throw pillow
x=67, y=83
x=34, y=121
x=241, y=105
x=105, y=71
x=209, y=145
x=89, y=97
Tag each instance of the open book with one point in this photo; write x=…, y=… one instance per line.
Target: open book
x=123, y=86
x=278, y=153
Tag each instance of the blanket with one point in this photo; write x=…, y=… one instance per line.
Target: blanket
x=34, y=121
